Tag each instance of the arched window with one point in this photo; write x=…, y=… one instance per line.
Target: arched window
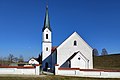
x=75, y=43
x=46, y=36
x=46, y=48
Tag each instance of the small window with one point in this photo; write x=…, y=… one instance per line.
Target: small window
x=75, y=43
x=46, y=48
x=79, y=58
x=46, y=36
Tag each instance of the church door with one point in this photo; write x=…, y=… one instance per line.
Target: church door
x=46, y=66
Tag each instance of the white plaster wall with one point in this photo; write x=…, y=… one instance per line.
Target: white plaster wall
x=66, y=49
x=6, y=70
x=91, y=73
x=46, y=44
x=47, y=31
x=110, y=74
x=99, y=74
x=69, y=72
x=76, y=63
x=66, y=72
x=37, y=70
x=45, y=53
x=30, y=71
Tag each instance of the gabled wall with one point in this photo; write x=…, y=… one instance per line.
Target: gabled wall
x=67, y=49
x=33, y=61
x=79, y=61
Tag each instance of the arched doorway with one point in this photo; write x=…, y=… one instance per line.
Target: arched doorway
x=46, y=66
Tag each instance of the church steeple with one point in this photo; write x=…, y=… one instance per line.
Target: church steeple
x=46, y=41
x=46, y=21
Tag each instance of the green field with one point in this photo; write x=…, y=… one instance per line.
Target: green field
x=51, y=78
x=107, y=62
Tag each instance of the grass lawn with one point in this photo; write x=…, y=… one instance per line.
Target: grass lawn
x=49, y=78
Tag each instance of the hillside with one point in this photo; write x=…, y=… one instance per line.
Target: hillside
x=107, y=62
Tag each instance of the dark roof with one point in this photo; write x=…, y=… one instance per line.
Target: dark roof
x=72, y=56
x=53, y=49
x=46, y=21
x=34, y=58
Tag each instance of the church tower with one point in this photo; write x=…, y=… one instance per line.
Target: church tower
x=46, y=41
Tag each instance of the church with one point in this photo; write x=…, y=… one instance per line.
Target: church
x=73, y=53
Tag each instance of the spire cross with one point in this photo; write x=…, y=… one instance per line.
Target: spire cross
x=46, y=3
x=46, y=21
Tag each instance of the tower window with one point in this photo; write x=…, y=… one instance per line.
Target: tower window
x=46, y=48
x=46, y=36
x=75, y=43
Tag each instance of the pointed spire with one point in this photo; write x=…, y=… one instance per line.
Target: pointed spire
x=46, y=21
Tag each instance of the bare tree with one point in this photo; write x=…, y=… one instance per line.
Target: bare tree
x=104, y=52
x=10, y=58
x=15, y=59
x=1, y=61
x=5, y=61
x=20, y=59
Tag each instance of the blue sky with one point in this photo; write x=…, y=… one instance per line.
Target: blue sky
x=21, y=22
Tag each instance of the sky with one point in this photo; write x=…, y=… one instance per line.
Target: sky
x=21, y=23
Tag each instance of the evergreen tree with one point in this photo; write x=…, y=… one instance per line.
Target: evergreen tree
x=20, y=59
x=95, y=52
x=10, y=58
x=39, y=59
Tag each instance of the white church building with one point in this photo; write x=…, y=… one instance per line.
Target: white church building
x=73, y=53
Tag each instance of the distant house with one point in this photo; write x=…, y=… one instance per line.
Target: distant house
x=33, y=61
